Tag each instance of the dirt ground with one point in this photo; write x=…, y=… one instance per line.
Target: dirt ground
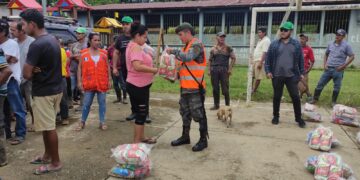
x=251, y=149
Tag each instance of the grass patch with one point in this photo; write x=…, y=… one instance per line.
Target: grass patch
x=349, y=95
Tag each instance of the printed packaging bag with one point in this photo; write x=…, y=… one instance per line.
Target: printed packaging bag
x=167, y=67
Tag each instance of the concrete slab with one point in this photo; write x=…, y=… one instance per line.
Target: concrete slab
x=252, y=148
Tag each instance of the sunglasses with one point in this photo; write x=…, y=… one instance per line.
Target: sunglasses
x=339, y=35
x=284, y=30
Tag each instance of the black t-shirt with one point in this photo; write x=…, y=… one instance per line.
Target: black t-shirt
x=121, y=44
x=45, y=53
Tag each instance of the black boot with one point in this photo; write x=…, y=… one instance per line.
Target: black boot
x=334, y=97
x=184, y=139
x=202, y=144
x=131, y=117
x=215, y=107
x=227, y=100
x=316, y=96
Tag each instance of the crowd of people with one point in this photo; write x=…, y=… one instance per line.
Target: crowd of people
x=45, y=76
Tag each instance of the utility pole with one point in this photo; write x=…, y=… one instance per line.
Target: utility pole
x=43, y=3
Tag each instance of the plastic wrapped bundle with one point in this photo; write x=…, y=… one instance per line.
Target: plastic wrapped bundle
x=311, y=164
x=321, y=138
x=345, y=121
x=358, y=137
x=328, y=166
x=167, y=67
x=310, y=114
x=344, y=111
x=133, y=160
x=309, y=107
x=134, y=154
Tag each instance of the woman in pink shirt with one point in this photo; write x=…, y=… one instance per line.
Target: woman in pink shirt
x=140, y=77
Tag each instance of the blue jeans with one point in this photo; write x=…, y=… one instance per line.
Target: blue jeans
x=16, y=104
x=88, y=99
x=73, y=79
x=329, y=74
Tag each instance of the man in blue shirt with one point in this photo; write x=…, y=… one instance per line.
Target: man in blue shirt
x=284, y=65
x=338, y=56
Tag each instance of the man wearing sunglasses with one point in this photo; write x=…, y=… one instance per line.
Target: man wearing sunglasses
x=284, y=65
x=338, y=56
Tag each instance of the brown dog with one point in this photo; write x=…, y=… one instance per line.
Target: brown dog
x=225, y=114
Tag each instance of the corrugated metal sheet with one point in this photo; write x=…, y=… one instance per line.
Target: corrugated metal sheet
x=205, y=4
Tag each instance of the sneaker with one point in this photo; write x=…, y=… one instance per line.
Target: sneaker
x=275, y=121
x=124, y=101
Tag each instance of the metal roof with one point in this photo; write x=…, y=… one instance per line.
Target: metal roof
x=205, y=4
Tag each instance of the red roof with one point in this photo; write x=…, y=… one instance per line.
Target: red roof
x=68, y=4
x=204, y=4
x=24, y=4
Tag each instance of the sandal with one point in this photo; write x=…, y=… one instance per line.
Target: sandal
x=80, y=127
x=16, y=140
x=103, y=126
x=40, y=160
x=149, y=141
x=46, y=169
x=4, y=164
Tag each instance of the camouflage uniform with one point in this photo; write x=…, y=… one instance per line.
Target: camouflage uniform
x=192, y=101
x=219, y=67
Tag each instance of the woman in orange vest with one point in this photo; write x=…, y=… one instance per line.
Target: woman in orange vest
x=93, y=75
x=140, y=76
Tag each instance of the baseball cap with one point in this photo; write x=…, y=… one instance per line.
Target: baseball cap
x=127, y=19
x=342, y=32
x=184, y=26
x=220, y=34
x=287, y=25
x=81, y=30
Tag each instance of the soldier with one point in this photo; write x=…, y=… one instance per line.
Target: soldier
x=219, y=69
x=191, y=74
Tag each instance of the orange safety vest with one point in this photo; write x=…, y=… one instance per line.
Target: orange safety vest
x=196, y=69
x=94, y=77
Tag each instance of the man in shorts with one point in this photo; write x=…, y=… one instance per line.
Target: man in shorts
x=43, y=66
x=259, y=58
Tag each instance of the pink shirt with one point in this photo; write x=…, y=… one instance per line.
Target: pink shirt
x=134, y=52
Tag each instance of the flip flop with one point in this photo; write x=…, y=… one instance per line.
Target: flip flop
x=45, y=170
x=103, y=126
x=80, y=127
x=40, y=160
x=16, y=140
x=149, y=141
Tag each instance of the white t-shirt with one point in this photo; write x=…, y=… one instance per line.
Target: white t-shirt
x=24, y=48
x=261, y=47
x=11, y=48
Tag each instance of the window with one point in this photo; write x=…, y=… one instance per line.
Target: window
x=193, y=19
x=309, y=22
x=234, y=23
x=170, y=23
x=212, y=23
x=336, y=20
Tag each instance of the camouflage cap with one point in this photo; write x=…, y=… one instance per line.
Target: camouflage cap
x=185, y=26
